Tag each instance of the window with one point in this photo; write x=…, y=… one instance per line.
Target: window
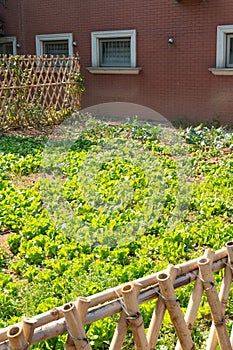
x=224, y=51
x=224, y=34
x=114, y=52
x=8, y=45
x=54, y=44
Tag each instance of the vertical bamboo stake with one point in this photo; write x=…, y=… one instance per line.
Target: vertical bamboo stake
x=223, y=296
x=75, y=327
x=158, y=314
x=120, y=333
x=130, y=294
x=28, y=328
x=214, y=302
x=16, y=338
x=70, y=343
x=82, y=305
x=182, y=331
x=194, y=301
x=156, y=322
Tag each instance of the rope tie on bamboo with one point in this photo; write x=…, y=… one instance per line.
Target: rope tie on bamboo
x=77, y=338
x=131, y=314
x=166, y=299
x=228, y=265
x=212, y=284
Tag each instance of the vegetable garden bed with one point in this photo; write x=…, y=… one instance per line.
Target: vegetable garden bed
x=43, y=267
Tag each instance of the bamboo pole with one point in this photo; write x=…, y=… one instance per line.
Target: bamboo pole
x=120, y=333
x=194, y=301
x=17, y=339
x=182, y=268
x=29, y=325
x=69, y=343
x=75, y=327
x=172, y=304
x=214, y=302
x=81, y=305
x=51, y=323
x=130, y=294
x=158, y=314
x=110, y=294
x=223, y=296
x=48, y=331
x=58, y=327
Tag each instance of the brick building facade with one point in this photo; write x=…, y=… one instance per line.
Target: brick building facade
x=164, y=50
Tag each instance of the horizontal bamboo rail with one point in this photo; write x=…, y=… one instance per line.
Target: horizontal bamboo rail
x=15, y=87
x=107, y=303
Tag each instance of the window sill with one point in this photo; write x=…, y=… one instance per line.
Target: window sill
x=221, y=71
x=101, y=70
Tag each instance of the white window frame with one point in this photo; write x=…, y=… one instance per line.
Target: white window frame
x=9, y=39
x=221, y=47
x=40, y=39
x=95, y=45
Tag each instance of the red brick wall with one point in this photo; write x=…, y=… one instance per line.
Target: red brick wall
x=174, y=80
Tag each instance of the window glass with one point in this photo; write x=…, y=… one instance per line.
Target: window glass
x=115, y=52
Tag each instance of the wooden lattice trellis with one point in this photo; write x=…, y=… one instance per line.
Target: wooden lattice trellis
x=38, y=83
x=126, y=299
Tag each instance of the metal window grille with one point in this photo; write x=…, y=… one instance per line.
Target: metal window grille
x=115, y=52
x=56, y=48
x=6, y=49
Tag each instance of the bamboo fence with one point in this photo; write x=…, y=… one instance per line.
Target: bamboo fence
x=72, y=317
x=30, y=83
